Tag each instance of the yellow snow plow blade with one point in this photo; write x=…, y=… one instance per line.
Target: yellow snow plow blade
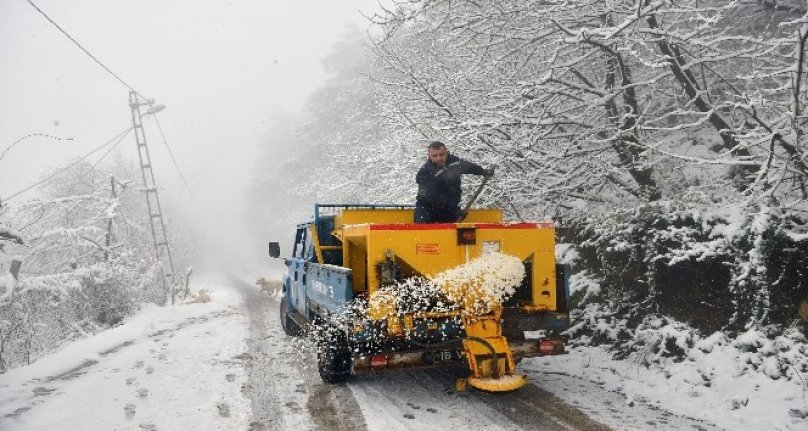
x=490, y=358
x=501, y=384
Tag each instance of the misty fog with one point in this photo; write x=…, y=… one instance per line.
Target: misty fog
x=226, y=72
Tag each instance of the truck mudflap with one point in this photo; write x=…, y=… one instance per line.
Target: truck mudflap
x=448, y=355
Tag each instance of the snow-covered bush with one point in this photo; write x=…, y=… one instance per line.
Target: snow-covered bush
x=711, y=269
x=656, y=259
x=653, y=279
x=595, y=323
x=659, y=337
x=88, y=261
x=770, y=351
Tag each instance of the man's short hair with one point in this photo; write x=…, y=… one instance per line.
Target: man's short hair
x=436, y=145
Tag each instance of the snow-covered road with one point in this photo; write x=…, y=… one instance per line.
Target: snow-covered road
x=287, y=393
x=226, y=365
x=169, y=368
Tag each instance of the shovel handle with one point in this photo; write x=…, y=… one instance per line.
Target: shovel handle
x=476, y=194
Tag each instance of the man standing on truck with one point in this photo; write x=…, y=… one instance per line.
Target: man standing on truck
x=438, y=199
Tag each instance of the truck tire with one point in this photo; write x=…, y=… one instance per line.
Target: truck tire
x=289, y=326
x=334, y=358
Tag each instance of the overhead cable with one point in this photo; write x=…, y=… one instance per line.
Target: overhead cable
x=85, y=51
x=179, y=171
x=110, y=150
x=117, y=137
x=31, y=135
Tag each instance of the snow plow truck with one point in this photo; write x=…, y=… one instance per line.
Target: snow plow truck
x=377, y=292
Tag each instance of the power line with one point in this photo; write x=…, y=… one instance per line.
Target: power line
x=109, y=150
x=31, y=135
x=176, y=166
x=85, y=51
x=119, y=137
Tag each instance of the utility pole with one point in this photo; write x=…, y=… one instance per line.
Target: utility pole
x=158, y=227
x=109, y=222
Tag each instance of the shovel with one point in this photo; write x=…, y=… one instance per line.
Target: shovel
x=465, y=210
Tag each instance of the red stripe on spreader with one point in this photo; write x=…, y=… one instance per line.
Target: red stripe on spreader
x=513, y=226
x=413, y=226
x=438, y=226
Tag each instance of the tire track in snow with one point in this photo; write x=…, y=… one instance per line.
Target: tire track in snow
x=533, y=407
x=266, y=411
x=286, y=394
x=334, y=407
x=426, y=399
x=422, y=399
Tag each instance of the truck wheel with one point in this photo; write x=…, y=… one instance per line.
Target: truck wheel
x=334, y=357
x=288, y=325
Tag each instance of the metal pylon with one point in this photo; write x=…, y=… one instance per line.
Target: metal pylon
x=158, y=227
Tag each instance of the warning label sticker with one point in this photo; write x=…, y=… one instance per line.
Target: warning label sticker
x=427, y=248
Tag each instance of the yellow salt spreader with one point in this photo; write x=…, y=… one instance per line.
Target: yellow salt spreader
x=378, y=292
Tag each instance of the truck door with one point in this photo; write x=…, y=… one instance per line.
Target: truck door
x=297, y=270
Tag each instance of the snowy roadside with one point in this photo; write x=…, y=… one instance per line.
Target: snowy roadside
x=727, y=401
x=175, y=367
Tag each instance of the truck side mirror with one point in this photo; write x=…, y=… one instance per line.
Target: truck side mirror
x=274, y=249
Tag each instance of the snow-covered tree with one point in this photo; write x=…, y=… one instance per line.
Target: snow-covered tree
x=666, y=137
x=88, y=261
x=600, y=102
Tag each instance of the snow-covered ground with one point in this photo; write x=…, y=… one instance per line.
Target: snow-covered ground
x=166, y=368
x=728, y=401
x=199, y=366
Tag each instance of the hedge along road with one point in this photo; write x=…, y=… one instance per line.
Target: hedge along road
x=287, y=393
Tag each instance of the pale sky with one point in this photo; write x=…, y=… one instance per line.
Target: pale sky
x=221, y=68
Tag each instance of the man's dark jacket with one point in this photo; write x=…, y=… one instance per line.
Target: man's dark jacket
x=439, y=187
